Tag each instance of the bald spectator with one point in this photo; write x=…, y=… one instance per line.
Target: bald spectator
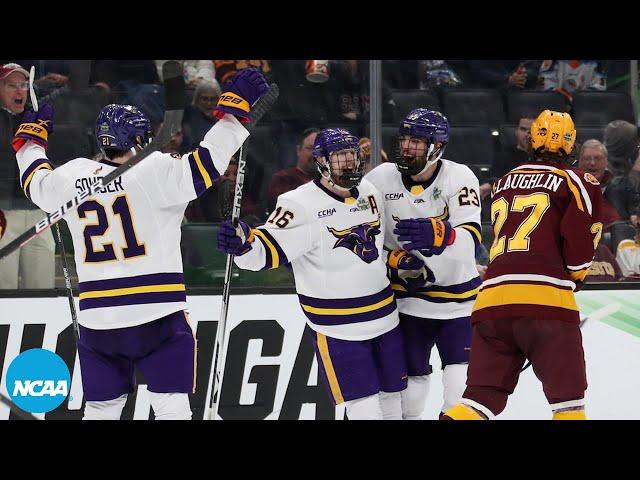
x=593, y=158
x=304, y=171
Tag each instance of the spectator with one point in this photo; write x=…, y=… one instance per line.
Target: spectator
x=628, y=256
x=33, y=266
x=604, y=267
x=593, y=159
x=304, y=171
x=567, y=76
x=504, y=74
x=350, y=82
x=510, y=157
x=435, y=74
x=198, y=117
x=54, y=76
x=621, y=140
x=625, y=193
x=365, y=149
x=195, y=72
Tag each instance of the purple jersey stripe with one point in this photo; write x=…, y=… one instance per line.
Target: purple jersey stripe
x=346, y=302
x=134, y=299
x=457, y=288
x=282, y=256
x=353, y=318
x=137, y=281
x=31, y=168
x=198, y=179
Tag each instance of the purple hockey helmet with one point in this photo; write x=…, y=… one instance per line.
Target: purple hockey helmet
x=117, y=127
x=332, y=140
x=429, y=125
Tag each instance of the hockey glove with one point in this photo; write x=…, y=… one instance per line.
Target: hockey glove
x=408, y=270
x=241, y=93
x=35, y=126
x=3, y=224
x=428, y=235
x=236, y=241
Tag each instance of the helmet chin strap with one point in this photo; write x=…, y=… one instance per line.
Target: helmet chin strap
x=428, y=163
x=326, y=174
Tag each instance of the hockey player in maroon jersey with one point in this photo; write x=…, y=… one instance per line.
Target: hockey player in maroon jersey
x=547, y=224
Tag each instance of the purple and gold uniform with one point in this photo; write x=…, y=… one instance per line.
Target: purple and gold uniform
x=335, y=247
x=127, y=254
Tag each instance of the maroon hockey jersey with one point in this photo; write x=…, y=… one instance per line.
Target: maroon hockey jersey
x=547, y=224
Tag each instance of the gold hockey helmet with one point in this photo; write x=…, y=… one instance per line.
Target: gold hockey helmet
x=553, y=132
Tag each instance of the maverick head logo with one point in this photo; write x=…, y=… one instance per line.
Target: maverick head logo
x=360, y=239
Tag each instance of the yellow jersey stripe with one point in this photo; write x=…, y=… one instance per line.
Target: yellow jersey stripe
x=275, y=258
x=116, y=292
x=323, y=348
x=474, y=231
x=467, y=294
x=203, y=171
x=28, y=180
x=525, y=294
x=579, y=275
x=348, y=311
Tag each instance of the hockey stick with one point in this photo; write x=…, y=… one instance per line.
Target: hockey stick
x=596, y=315
x=216, y=373
x=15, y=409
x=58, y=235
x=174, y=99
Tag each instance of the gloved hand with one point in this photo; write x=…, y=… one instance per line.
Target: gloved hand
x=241, y=93
x=236, y=241
x=428, y=235
x=3, y=224
x=408, y=270
x=35, y=126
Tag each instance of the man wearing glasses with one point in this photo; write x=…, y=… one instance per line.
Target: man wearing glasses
x=33, y=266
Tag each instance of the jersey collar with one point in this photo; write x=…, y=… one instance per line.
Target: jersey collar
x=349, y=200
x=109, y=162
x=416, y=188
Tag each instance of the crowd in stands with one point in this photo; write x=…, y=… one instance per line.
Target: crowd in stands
x=490, y=105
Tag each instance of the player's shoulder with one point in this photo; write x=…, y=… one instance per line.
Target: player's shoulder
x=457, y=173
x=382, y=173
x=300, y=196
x=81, y=166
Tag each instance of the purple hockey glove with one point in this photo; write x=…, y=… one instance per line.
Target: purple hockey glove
x=235, y=241
x=35, y=126
x=241, y=93
x=428, y=235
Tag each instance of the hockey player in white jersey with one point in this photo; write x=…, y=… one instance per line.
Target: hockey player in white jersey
x=331, y=231
x=127, y=246
x=432, y=209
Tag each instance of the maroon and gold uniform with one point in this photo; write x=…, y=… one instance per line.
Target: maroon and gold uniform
x=547, y=224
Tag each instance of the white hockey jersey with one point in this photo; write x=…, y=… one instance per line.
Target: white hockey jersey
x=452, y=194
x=127, y=238
x=335, y=247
